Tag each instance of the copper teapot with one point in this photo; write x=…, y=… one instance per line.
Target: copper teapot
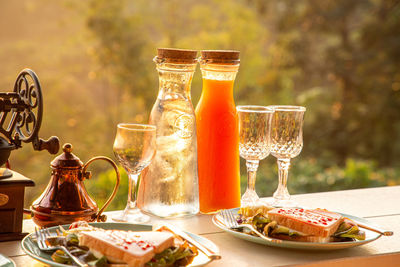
x=65, y=199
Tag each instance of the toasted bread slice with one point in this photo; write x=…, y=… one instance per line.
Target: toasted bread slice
x=133, y=248
x=318, y=223
x=327, y=213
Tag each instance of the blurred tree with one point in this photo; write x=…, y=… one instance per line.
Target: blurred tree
x=128, y=34
x=341, y=59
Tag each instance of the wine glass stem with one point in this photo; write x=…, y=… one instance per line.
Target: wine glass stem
x=252, y=166
x=283, y=172
x=132, y=191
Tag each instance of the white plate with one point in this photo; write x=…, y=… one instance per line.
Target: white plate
x=29, y=244
x=369, y=236
x=6, y=261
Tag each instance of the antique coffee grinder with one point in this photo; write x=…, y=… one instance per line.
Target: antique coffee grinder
x=20, y=120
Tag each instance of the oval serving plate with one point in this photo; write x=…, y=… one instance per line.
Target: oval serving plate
x=29, y=244
x=369, y=236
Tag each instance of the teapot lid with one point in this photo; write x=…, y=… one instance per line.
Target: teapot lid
x=67, y=159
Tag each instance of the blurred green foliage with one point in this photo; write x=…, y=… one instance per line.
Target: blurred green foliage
x=339, y=58
x=102, y=187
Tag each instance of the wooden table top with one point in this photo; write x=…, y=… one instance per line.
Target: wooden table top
x=378, y=205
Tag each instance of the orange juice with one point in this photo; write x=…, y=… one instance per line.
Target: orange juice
x=217, y=147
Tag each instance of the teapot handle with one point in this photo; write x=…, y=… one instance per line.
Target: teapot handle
x=99, y=217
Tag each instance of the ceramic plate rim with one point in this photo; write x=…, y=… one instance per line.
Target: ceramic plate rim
x=8, y=258
x=147, y=227
x=301, y=245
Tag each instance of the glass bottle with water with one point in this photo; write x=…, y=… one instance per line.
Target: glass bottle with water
x=169, y=186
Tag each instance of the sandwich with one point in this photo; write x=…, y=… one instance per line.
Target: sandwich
x=304, y=225
x=117, y=248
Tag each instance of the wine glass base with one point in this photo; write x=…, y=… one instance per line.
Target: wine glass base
x=250, y=199
x=131, y=216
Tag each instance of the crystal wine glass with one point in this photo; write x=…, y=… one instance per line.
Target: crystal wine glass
x=254, y=144
x=286, y=143
x=134, y=147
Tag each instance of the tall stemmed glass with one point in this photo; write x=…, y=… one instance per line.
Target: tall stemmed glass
x=286, y=143
x=134, y=147
x=254, y=144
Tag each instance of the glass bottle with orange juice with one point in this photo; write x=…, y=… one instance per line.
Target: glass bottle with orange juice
x=217, y=132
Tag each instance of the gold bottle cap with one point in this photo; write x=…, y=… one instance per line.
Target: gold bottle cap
x=173, y=55
x=221, y=56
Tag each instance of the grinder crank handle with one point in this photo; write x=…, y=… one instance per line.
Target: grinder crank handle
x=52, y=144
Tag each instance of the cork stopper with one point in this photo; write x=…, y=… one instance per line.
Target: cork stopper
x=172, y=55
x=221, y=56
